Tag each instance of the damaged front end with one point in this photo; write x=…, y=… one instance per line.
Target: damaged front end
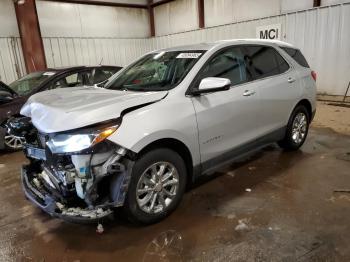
x=78, y=175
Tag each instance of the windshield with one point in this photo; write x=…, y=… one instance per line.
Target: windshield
x=28, y=83
x=157, y=71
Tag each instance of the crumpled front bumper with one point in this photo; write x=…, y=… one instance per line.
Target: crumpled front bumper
x=43, y=200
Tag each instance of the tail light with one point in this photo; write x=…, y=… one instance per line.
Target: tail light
x=314, y=75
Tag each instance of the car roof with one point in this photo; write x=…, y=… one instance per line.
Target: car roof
x=73, y=68
x=210, y=45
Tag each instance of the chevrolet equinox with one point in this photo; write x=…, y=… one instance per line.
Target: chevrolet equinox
x=159, y=123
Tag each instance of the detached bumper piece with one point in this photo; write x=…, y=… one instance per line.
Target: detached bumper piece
x=41, y=197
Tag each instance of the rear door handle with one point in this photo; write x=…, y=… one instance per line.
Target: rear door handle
x=248, y=93
x=290, y=80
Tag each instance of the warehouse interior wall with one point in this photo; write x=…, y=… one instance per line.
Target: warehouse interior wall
x=75, y=34
x=79, y=20
x=219, y=12
x=322, y=34
x=295, y=5
x=11, y=59
x=177, y=16
x=8, y=20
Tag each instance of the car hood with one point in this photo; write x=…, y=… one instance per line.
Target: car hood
x=70, y=108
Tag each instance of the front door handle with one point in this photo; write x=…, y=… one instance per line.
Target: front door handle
x=290, y=80
x=248, y=93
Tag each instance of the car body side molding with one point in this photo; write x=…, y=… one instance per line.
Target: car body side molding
x=212, y=165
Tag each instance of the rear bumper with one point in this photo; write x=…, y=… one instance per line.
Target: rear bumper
x=43, y=199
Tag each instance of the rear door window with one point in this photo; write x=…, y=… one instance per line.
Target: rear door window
x=296, y=55
x=264, y=61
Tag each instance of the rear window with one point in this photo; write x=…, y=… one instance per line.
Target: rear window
x=296, y=55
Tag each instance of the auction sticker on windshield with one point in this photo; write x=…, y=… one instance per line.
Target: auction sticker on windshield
x=189, y=55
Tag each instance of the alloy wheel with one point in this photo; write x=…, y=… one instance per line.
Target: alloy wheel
x=299, y=128
x=14, y=142
x=157, y=187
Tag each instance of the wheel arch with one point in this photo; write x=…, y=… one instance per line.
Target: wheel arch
x=175, y=145
x=305, y=102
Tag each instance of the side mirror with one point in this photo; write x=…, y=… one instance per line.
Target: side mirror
x=212, y=84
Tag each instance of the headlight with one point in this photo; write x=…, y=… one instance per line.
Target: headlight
x=74, y=142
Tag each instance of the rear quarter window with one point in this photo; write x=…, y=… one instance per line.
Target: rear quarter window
x=296, y=55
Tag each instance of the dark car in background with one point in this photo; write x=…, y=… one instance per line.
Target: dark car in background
x=14, y=95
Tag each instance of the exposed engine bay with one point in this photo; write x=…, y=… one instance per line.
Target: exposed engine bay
x=83, y=185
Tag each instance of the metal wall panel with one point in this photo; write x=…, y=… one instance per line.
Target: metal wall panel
x=296, y=5
x=93, y=51
x=332, y=2
x=78, y=20
x=11, y=59
x=176, y=16
x=218, y=12
x=8, y=22
x=323, y=35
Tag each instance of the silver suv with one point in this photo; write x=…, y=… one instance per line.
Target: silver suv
x=161, y=122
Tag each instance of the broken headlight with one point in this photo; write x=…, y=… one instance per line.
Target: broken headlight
x=78, y=141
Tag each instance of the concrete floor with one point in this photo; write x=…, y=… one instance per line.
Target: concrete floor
x=276, y=206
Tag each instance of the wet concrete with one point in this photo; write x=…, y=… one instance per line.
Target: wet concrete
x=275, y=206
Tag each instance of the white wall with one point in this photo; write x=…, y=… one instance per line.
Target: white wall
x=76, y=20
x=322, y=34
x=75, y=34
x=71, y=51
x=295, y=5
x=176, y=16
x=219, y=12
x=8, y=22
x=181, y=15
x=333, y=2
x=11, y=59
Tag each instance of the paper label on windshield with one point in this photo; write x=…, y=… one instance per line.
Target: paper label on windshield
x=189, y=55
x=49, y=73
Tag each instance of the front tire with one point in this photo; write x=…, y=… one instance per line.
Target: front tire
x=157, y=185
x=297, y=129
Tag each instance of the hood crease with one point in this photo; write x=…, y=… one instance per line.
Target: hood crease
x=71, y=108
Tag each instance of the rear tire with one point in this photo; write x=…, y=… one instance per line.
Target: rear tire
x=297, y=129
x=157, y=185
